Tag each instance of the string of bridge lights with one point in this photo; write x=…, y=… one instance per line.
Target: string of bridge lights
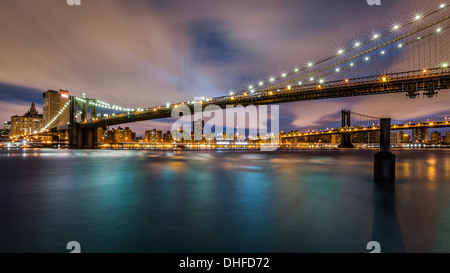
x=340, y=51
x=56, y=117
x=398, y=47
x=338, y=69
x=320, y=80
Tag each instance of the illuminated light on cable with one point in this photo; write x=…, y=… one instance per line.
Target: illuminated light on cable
x=418, y=38
x=424, y=71
x=400, y=45
x=299, y=83
x=289, y=87
x=283, y=75
x=340, y=51
x=250, y=87
x=395, y=27
x=375, y=36
x=321, y=81
x=270, y=93
x=252, y=91
x=338, y=69
x=442, y=6
x=357, y=44
x=352, y=64
x=366, y=58
x=438, y=29
x=384, y=79
x=296, y=70
x=261, y=83
x=310, y=64
x=272, y=79
x=383, y=52
x=311, y=79
x=232, y=98
x=231, y=93
x=417, y=17
x=445, y=65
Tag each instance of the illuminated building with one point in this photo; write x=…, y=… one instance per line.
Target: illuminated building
x=168, y=136
x=153, y=135
x=447, y=138
x=420, y=135
x=435, y=138
x=4, y=133
x=29, y=123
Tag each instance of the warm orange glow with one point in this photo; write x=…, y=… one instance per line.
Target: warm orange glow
x=424, y=71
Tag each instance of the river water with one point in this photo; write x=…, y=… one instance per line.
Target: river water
x=221, y=201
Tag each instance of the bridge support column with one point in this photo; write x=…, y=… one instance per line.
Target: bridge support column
x=82, y=138
x=384, y=165
x=346, y=141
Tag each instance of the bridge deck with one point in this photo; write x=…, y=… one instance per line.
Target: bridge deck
x=429, y=80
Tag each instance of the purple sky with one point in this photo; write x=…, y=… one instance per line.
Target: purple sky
x=145, y=53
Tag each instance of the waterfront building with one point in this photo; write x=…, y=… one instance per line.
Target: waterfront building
x=29, y=123
x=153, y=135
x=168, y=136
x=396, y=138
x=420, y=135
x=436, y=137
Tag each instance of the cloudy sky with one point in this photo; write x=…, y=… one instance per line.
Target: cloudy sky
x=143, y=53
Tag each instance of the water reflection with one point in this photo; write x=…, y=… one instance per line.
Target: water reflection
x=386, y=227
x=228, y=201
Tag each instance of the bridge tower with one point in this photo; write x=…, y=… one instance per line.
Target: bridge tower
x=346, y=138
x=82, y=137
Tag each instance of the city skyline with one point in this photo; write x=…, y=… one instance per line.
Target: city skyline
x=194, y=53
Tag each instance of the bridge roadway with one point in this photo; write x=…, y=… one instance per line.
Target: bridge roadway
x=426, y=81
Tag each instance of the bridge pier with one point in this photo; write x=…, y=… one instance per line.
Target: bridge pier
x=82, y=138
x=384, y=160
x=346, y=141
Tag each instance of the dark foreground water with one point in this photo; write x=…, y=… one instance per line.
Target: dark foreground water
x=230, y=201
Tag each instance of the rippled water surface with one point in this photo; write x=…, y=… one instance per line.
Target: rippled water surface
x=221, y=201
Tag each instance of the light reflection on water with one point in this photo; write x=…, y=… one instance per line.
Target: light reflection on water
x=166, y=201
